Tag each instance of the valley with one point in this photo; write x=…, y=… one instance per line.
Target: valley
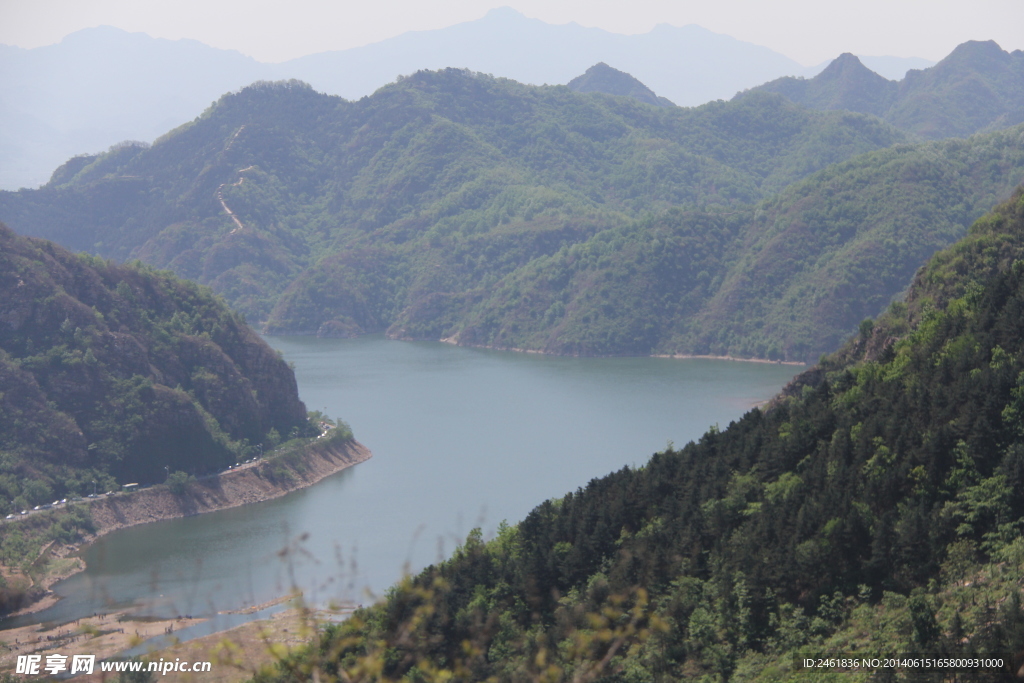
x=510, y=428
x=527, y=300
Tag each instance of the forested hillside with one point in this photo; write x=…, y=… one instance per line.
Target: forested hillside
x=978, y=87
x=787, y=279
x=370, y=197
x=114, y=374
x=611, y=81
x=875, y=508
x=454, y=205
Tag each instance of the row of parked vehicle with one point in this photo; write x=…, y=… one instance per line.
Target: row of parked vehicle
x=128, y=487
x=239, y=464
x=55, y=504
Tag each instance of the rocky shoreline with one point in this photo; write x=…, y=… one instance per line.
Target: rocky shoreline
x=238, y=487
x=261, y=481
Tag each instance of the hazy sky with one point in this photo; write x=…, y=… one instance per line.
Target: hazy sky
x=809, y=31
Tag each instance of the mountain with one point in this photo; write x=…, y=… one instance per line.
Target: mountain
x=837, y=248
x=844, y=84
x=412, y=208
x=112, y=373
x=689, y=65
x=101, y=86
x=888, y=67
x=977, y=87
x=787, y=279
x=872, y=510
x=605, y=79
x=452, y=205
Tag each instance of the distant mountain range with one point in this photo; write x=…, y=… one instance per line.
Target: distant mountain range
x=977, y=87
x=420, y=198
x=101, y=86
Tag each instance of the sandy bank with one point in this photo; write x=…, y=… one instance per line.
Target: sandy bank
x=103, y=635
x=237, y=654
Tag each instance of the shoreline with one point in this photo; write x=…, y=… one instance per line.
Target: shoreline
x=239, y=653
x=684, y=356
x=227, y=490
x=678, y=356
x=452, y=341
x=104, y=635
x=267, y=480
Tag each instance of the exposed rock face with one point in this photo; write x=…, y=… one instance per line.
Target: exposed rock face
x=240, y=487
x=254, y=483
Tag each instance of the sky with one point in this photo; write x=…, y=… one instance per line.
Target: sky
x=808, y=31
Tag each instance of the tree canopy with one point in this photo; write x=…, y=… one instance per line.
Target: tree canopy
x=112, y=373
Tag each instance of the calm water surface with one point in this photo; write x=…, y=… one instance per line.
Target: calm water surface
x=461, y=438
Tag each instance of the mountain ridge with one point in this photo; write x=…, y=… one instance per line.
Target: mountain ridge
x=347, y=208
x=459, y=206
x=977, y=87
x=62, y=101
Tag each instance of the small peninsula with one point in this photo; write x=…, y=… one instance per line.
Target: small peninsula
x=122, y=377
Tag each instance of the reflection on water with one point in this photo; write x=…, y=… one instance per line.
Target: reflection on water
x=461, y=438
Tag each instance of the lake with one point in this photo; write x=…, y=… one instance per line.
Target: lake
x=461, y=437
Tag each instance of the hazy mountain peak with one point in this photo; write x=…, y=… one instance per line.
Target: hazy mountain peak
x=505, y=13
x=102, y=84
x=848, y=68
x=978, y=86
x=847, y=65
x=104, y=31
x=844, y=84
x=110, y=38
x=605, y=79
x=978, y=53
